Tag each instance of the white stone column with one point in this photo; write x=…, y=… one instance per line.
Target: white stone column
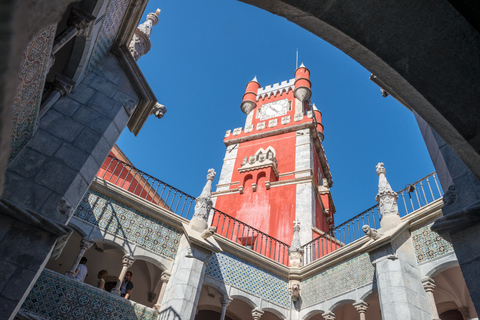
x=362, y=308
x=429, y=285
x=127, y=262
x=225, y=302
x=164, y=280
x=85, y=244
x=257, y=313
x=329, y=316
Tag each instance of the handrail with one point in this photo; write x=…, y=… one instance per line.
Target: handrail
x=351, y=230
x=250, y=237
x=127, y=177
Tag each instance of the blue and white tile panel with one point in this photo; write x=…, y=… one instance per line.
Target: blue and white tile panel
x=247, y=277
x=429, y=244
x=118, y=219
x=342, y=278
x=56, y=297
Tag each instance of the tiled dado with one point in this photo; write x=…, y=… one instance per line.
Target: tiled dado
x=56, y=297
x=429, y=244
x=113, y=18
x=247, y=277
x=118, y=219
x=342, y=278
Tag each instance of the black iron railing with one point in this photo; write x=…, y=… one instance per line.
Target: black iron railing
x=410, y=199
x=249, y=237
x=147, y=187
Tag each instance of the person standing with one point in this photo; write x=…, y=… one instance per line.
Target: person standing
x=102, y=277
x=81, y=271
x=127, y=286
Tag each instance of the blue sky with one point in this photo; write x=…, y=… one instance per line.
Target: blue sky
x=204, y=53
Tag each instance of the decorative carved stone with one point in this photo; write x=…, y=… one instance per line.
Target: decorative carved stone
x=254, y=187
x=295, y=292
x=262, y=159
x=386, y=197
x=240, y=189
x=158, y=110
x=371, y=233
x=362, y=308
x=127, y=261
x=329, y=316
x=208, y=232
x=450, y=197
x=81, y=20
x=257, y=313
x=267, y=185
x=140, y=43
x=295, y=253
x=204, y=203
x=63, y=84
x=298, y=117
x=249, y=128
x=260, y=125
x=272, y=123
x=237, y=131
x=227, y=134
x=64, y=207
x=285, y=119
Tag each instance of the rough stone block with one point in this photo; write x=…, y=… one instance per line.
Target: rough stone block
x=77, y=190
x=6, y=306
x=87, y=140
x=44, y=143
x=8, y=270
x=121, y=120
x=101, y=151
x=56, y=176
x=88, y=78
x=25, y=192
x=27, y=163
x=66, y=106
x=89, y=169
x=104, y=86
x=126, y=100
x=105, y=105
x=17, y=286
x=92, y=119
x=82, y=94
x=71, y=156
x=60, y=125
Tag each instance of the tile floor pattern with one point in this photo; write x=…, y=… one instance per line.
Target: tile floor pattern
x=113, y=18
x=342, y=278
x=56, y=297
x=30, y=83
x=250, y=278
x=429, y=245
x=119, y=220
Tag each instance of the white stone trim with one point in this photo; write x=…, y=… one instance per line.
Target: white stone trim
x=284, y=86
x=227, y=168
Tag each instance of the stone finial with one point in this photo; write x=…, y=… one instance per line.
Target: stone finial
x=203, y=205
x=140, y=43
x=257, y=313
x=295, y=253
x=386, y=197
x=158, y=110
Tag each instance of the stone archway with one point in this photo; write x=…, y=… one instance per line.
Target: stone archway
x=424, y=53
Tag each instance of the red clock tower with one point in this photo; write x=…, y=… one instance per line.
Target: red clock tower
x=275, y=170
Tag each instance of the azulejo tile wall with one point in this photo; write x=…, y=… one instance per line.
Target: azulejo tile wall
x=245, y=276
x=56, y=297
x=429, y=244
x=342, y=278
x=30, y=83
x=113, y=18
x=120, y=220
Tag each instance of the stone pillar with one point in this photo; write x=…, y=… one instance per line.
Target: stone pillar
x=85, y=244
x=362, y=308
x=183, y=289
x=329, y=316
x=225, y=302
x=257, y=313
x=127, y=262
x=429, y=285
x=164, y=280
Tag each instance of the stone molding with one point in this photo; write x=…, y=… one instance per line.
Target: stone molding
x=257, y=313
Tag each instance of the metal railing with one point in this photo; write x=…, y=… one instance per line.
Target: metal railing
x=128, y=177
x=410, y=199
x=250, y=237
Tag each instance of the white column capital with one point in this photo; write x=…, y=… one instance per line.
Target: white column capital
x=165, y=277
x=429, y=284
x=361, y=306
x=128, y=261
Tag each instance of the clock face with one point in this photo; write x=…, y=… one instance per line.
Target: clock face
x=274, y=109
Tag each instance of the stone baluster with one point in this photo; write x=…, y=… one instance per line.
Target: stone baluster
x=164, y=280
x=257, y=313
x=429, y=285
x=127, y=262
x=85, y=244
x=362, y=308
x=225, y=302
x=329, y=315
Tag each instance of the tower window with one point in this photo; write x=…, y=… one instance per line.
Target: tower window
x=290, y=105
x=258, y=113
